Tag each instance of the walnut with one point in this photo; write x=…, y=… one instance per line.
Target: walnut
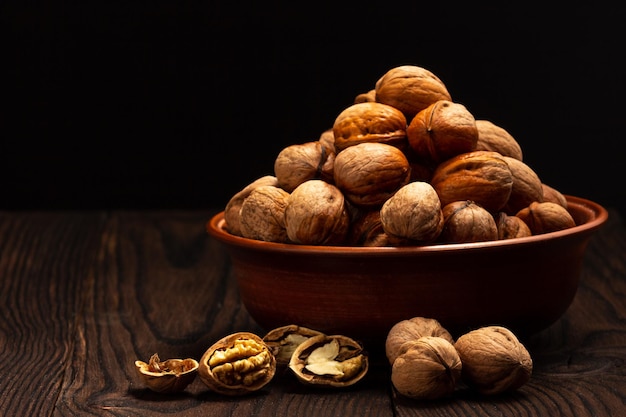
x=237, y=364
x=262, y=214
x=316, y=214
x=429, y=369
x=335, y=361
x=369, y=173
x=301, y=162
x=526, y=186
x=494, y=360
x=465, y=222
x=327, y=139
x=370, y=96
x=170, y=376
x=369, y=122
x=492, y=137
x=233, y=207
x=546, y=217
x=366, y=229
x=413, y=213
x=510, y=227
x=442, y=130
x=483, y=177
x=410, y=330
x=410, y=89
x=553, y=195
x=284, y=340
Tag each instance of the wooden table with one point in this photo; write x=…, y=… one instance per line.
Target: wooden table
x=83, y=294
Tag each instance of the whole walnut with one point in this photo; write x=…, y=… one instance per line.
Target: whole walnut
x=370, y=122
x=370, y=172
x=429, y=369
x=553, y=195
x=316, y=214
x=364, y=97
x=526, y=186
x=233, y=207
x=492, y=137
x=442, y=130
x=410, y=89
x=301, y=162
x=413, y=213
x=494, y=360
x=480, y=176
x=262, y=215
x=409, y=330
x=510, y=227
x=546, y=217
x=465, y=222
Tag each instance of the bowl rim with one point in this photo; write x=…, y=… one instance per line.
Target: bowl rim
x=215, y=227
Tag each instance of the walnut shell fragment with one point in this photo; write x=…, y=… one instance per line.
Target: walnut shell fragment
x=284, y=340
x=237, y=364
x=169, y=376
x=329, y=360
x=494, y=360
x=428, y=369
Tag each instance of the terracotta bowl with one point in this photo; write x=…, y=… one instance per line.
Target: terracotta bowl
x=525, y=284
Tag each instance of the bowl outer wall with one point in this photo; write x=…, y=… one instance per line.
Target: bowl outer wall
x=525, y=284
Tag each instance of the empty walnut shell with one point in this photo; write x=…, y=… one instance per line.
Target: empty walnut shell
x=169, y=376
x=233, y=207
x=442, y=130
x=494, y=360
x=413, y=213
x=284, y=340
x=410, y=89
x=465, y=222
x=428, y=369
x=237, y=364
x=546, y=217
x=316, y=214
x=329, y=360
x=410, y=330
x=369, y=173
x=262, y=214
x=483, y=177
x=492, y=137
x=302, y=162
x=369, y=122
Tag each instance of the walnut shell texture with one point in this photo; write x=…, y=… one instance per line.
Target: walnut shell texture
x=410, y=89
x=370, y=122
x=410, y=330
x=262, y=214
x=494, y=360
x=510, y=227
x=413, y=213
x=466, y=221
x=492, y=137
x=546, y=217
x=442, y=130
x=370, y=172
x=301, y=162
x=526, y=186
x=316, y=214
x=483, y=177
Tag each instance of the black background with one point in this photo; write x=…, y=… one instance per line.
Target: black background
x=175, y=104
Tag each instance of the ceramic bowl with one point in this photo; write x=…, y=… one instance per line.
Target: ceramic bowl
x=525, y=284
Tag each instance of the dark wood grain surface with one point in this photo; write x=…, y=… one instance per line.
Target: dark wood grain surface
x=83, y=294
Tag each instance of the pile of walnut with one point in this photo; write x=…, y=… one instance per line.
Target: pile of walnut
x=244, y=362
x=402, y=165
x=427, y=363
